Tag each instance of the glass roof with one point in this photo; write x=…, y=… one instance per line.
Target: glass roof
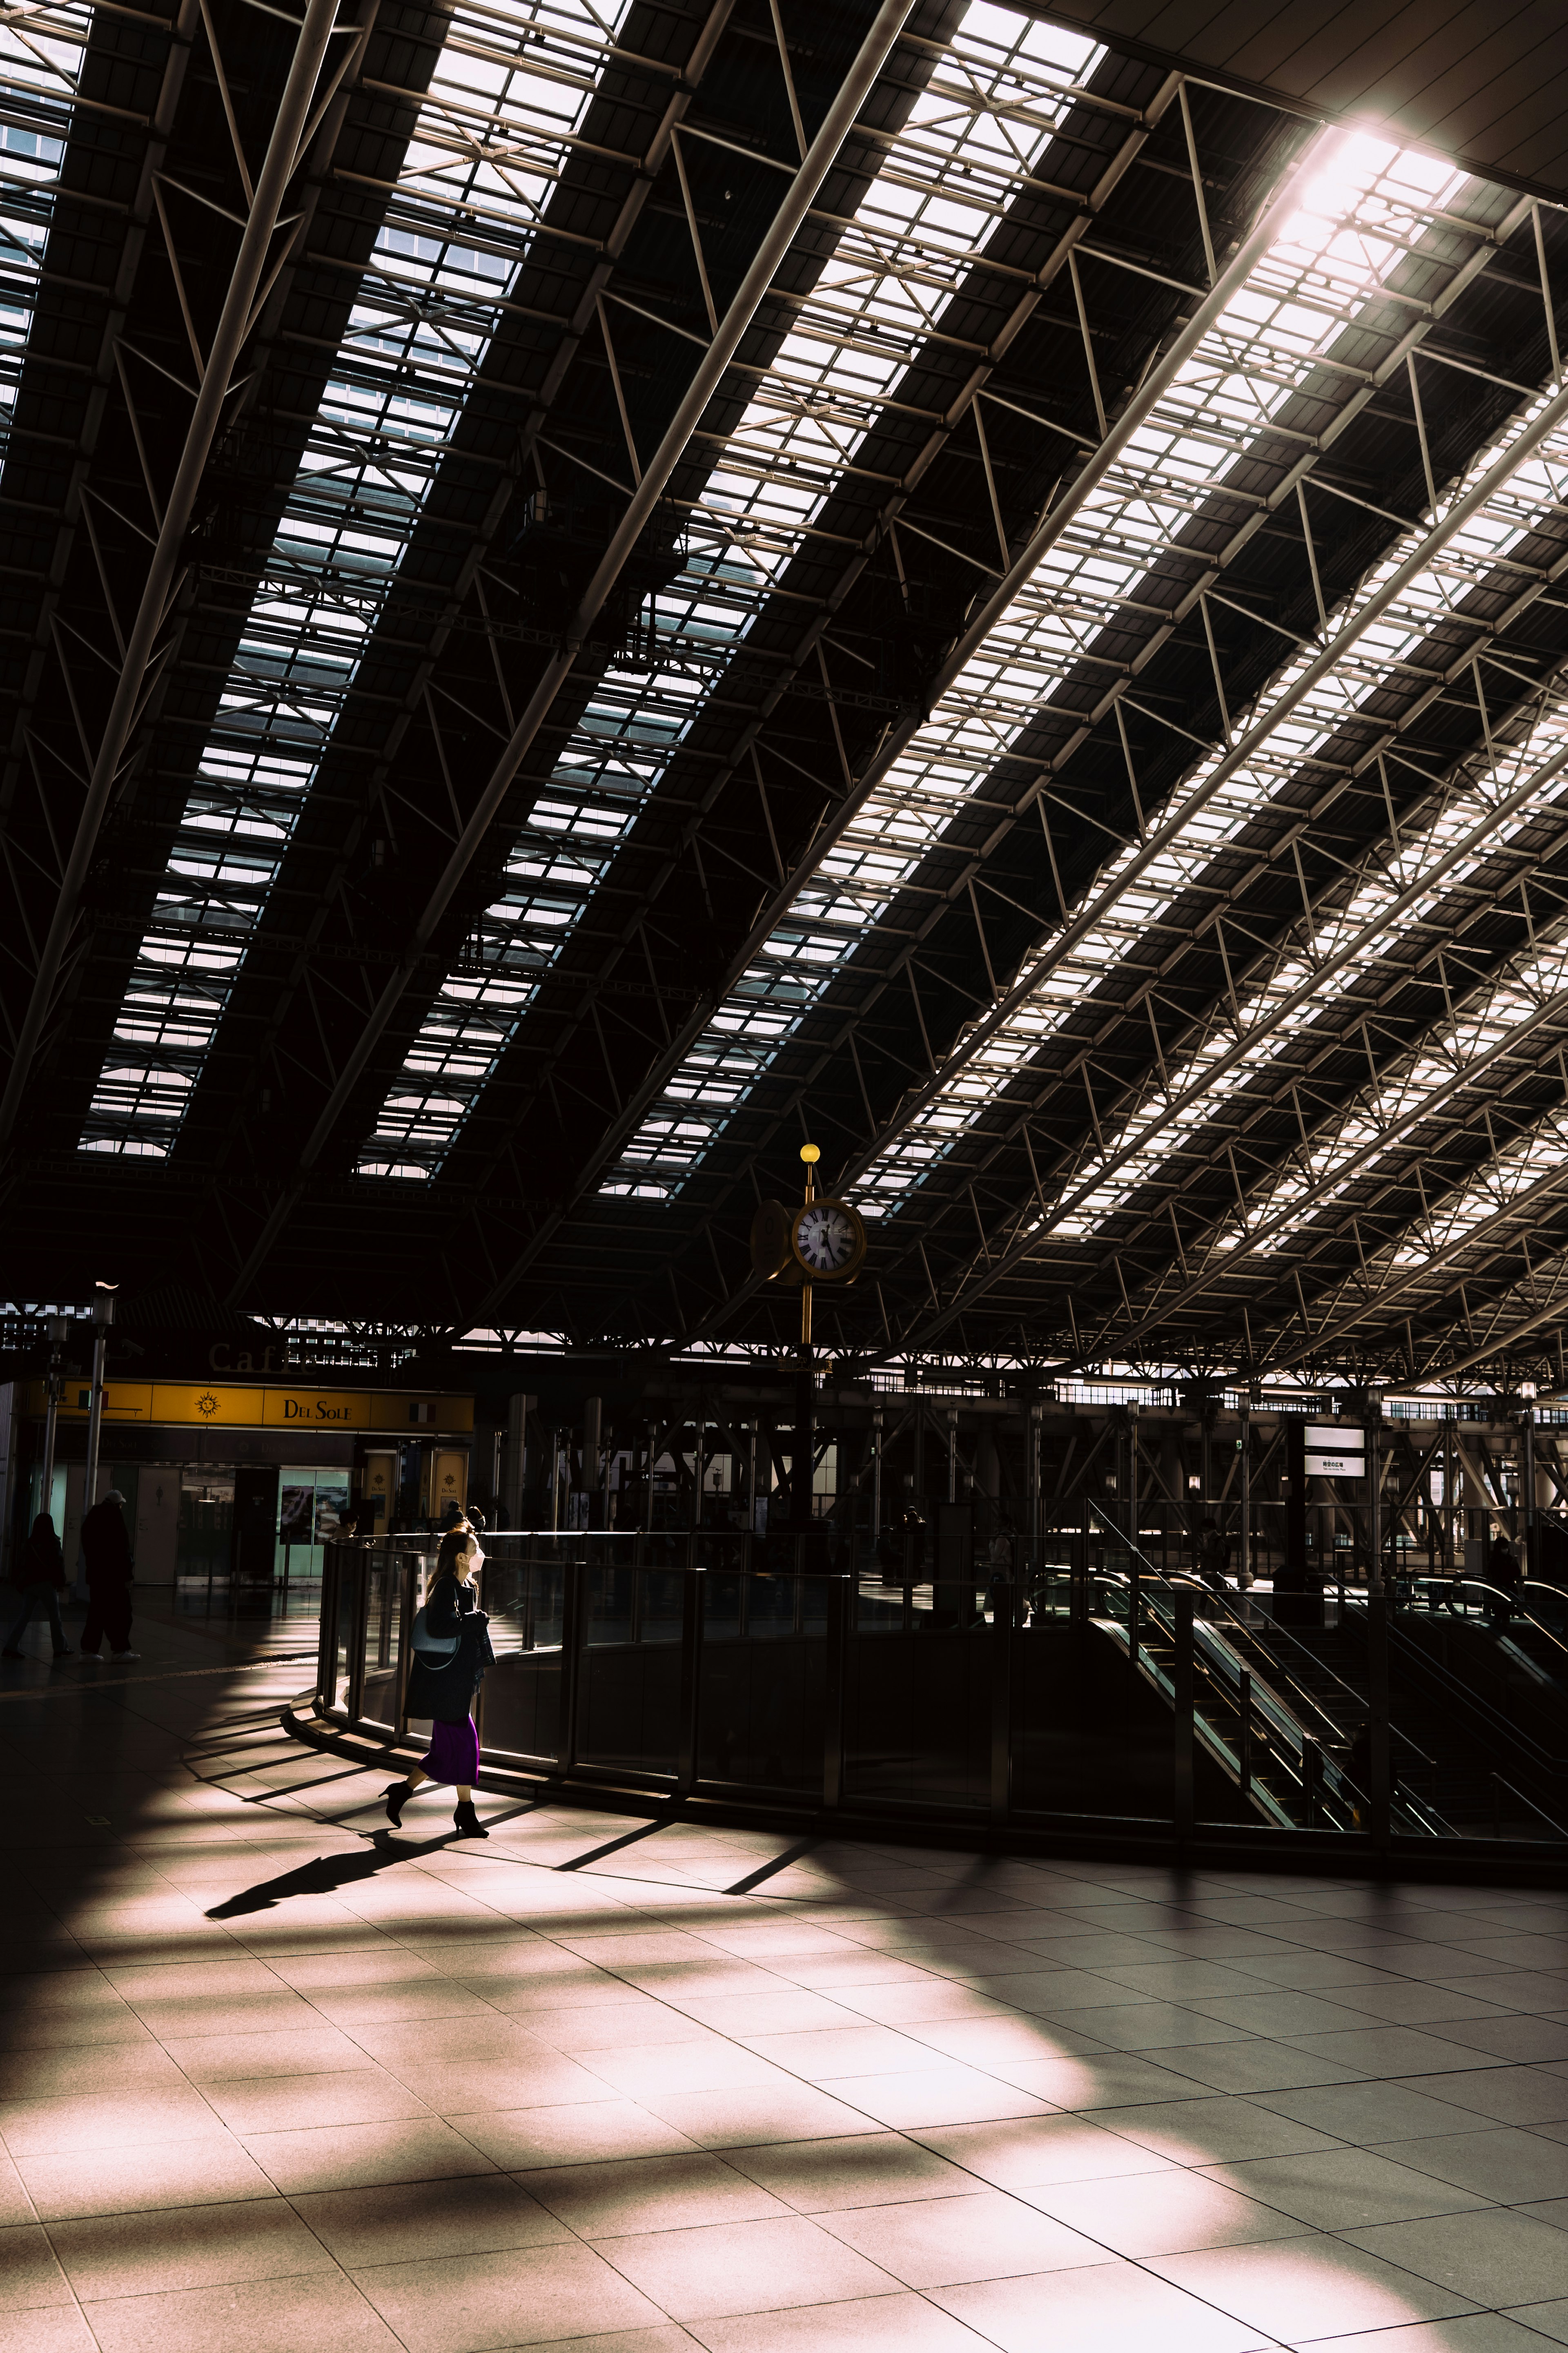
x=40, y=56
x=1296, y=992
x=940, y=183
x=1357, y=222
x=505, y=104
x=509, y=90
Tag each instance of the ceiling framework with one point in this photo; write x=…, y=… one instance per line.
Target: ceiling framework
x=585, y=592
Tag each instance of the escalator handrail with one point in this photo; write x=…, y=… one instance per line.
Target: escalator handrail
x=1314, y=1705
x=1278, y=1717
x=1543, y=1759
x=1516, y=1609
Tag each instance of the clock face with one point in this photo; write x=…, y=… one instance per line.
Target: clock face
x=826, y=1237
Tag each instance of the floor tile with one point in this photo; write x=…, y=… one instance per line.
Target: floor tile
x=898, y=2323
x=832, y=2175
x=584, y=2133
x=45, y=2328
x=710, y=2065
x=1510, y=2095
x=940, y=2243
x=1390, y=2051
x=1549, y=2320
x=1348, y=2188
x=30, y=2074
x=1209, y=2131
x=1505, y=2165
x=1493, y=2257
x=846, y=2051
x=125, y=2181
x=1158, y=2213
x=700, y=2274
x=29, y=2274
x=286, y=2315
x=282, y=2103
x=942, y=2094
x=1476, y=2332
x=784, y=2111
x=319, y=2050
x=1023, y=2155
x=1101, y=2079
x=651, y=2193
x=212, y=2246
x=1253, y=2067
x=1370, y=2114
x=407, y=2221
x=144, y=2115
x=664, y=2337
x=1305, y=2287
x=1110, y=2308
x=515, y=2295
x=338, y=2157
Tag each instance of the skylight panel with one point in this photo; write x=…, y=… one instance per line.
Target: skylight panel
x=505, y=97
x=935, y=192
x=1300, y=298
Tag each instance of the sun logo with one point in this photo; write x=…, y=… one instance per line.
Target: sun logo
x=206, y=1404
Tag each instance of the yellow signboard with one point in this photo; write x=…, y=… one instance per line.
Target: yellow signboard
x=223, y=1404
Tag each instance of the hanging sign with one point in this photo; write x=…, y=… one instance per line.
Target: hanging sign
x=1335, y=1450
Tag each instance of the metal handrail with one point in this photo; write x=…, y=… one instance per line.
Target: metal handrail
x=1283, y=1632
x=1498, y=1783
x=1515, y=1608
x=1319, y=1768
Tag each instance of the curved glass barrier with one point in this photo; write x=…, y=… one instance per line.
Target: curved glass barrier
x=1069, y=1682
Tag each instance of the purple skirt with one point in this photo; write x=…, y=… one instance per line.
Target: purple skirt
x=453, y=1753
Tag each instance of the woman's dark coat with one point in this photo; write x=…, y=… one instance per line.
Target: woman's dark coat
x=445, y=1694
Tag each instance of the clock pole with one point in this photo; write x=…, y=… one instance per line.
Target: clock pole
x=804, y=1381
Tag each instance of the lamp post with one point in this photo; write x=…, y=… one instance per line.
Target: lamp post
x=103, y=1317
x=58, y=1327
x=1527, y=1419
x=805, y=1377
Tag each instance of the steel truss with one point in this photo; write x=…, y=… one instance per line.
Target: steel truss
x=255, y=267
x=1481, y=253
x=1195, y=1107
x=1399, y=874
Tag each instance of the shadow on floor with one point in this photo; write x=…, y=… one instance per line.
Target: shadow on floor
x=325, y=1873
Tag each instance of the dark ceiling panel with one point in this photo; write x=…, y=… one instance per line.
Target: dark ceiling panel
x=1486, y=84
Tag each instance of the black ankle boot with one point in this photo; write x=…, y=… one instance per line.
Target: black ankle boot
x=468, y=1821
x=397, y=1794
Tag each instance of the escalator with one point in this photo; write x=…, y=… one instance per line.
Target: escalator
x=1489, y=1693
x=1277, y=1719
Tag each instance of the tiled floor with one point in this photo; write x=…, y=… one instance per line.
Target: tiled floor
x=276, y=2082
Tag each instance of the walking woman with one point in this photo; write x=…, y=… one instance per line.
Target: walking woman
x=442, y=1688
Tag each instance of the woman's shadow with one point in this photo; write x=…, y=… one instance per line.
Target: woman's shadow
x=325, y=1873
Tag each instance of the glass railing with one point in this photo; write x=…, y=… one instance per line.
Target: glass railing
x=918, y=1679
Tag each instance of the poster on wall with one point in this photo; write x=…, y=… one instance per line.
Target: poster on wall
x=297, y=1514
x=332, y=1505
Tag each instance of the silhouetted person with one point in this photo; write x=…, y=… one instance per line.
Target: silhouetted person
x=1358, y=1765
x=1214, y=1556
x=106, y=1548
x=1502, y=1578
x=40, y=1573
